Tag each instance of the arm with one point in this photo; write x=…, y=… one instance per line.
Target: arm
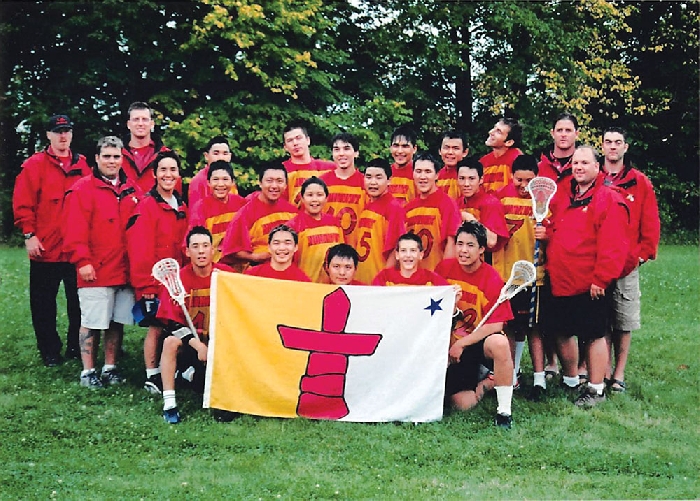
x=24, y=205
x=650, y=225
x=78, y=211
x=481, y=333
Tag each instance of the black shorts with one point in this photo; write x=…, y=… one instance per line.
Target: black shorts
x=186, y=358
x=464, y=375
x=520, y=304
x=578, y=316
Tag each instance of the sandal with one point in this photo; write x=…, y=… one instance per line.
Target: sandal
x=617, y=386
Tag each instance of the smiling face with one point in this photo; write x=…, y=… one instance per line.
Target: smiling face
x=167, y=174
x=408, y=255
x=200, y=250
x=584, y=167
x=498, y=136
x=376, y=182
x=452, y=152
x=402, y=151
x=282, y=248
x=425, y=177
x=521, y=178
x=469, y=181
x=272, y=185
x=314, y=200
x=109, y=161
x=341, y=270
x=468, y=252
x=220, y=183
x=140, y=123
x=344, y=155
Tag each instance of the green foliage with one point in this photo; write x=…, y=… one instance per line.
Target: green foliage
x=61, y=440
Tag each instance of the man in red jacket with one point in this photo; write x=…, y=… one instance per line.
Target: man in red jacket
x=98, y=209
x=586, y=252
x=555, y=161
x=643, y=232
x=38, y=208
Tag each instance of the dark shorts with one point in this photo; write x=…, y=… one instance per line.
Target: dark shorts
x=578, y=316
x=520, y=304
x=464, y=375
x=186, y=358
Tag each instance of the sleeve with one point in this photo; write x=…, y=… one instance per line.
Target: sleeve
x=197, y=190
x=380, y=279
x=169, y=310
x=25, y=200
x=452, y=219
x=612, y=243
x=78, y=210
x=197, y=215
x=504, y=312
x=237, y=237
x=494, y=218
x=396, y=227
x=650, y=224
x=141, y=244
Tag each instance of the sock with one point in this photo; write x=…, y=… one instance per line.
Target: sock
x=86, y=372
x=539, y=379
x=108, y=367
x=570, y=381
x=519, y=347
x=188, y=375
x=152, y=372
x=169, y=400
x=504, y=396
x=597, y=387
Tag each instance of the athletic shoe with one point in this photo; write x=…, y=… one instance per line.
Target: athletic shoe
x=516, y=385
x=72, y=353
x=91, y=380
x=171, y=416
x=589, y=398
x=52, y=360
x=154, y=385
x=536, y=394
x=112, y=377
x=504, y=421
x=571, y=391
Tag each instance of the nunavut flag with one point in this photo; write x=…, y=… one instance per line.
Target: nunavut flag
x=290, y=349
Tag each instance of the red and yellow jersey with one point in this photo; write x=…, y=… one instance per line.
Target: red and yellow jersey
x=298, y=173
x=521, y=228
x=401, y=184
x=215, y=215
x=498, y=171
x=392, y=276
x=433, y=219
x=447, y=181
x=265, y=270
x=315, y=238
x=346, y=199
x=488, y=210
x=197, y=301
x=249, y=229
x=480, y=291
x=199, y=187
x=381, y=224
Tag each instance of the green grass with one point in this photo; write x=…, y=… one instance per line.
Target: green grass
x=60, y=441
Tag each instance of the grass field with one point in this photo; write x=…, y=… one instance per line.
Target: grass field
x=61, y=441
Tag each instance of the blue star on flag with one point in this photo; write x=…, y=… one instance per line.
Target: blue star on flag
x=434, y=306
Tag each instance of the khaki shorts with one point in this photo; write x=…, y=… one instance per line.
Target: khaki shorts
x=101, y=305
x=626, y=303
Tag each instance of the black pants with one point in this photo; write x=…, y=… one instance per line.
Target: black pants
x=44, y=280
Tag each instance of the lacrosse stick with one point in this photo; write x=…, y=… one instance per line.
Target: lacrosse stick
x=522, y=275
x=167, y=272
x=541, y=189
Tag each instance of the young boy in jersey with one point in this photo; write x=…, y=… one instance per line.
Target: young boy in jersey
x=300, y=165
x=341, y=265
x=346, y=197
x=469, y=348
x=504, y=140
x=476, y=205
x=381, y=223
x=517, y=204
x=217, y=149
x=409, y=253
x=453, y=148
x=317, y=230
x=283, y=244
x=432, y=215
x=403, y=147
x=216, y=210
x=183, y=349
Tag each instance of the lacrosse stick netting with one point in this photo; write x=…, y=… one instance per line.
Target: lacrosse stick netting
x=521, y=275
x=167, y=272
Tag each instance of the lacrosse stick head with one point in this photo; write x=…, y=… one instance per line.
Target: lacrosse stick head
x=167, y=272
x=541, y=189
x=522, y=275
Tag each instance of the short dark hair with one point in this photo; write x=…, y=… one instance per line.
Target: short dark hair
x=455, y=134
x=275, y=165
x=515, y=131
x=380, y=163
x=425, y=156
x=618, y=130
x=216, y=140
x=283, y=227
x=139, y=105
x=346, y=137
x=471, y=163
x=412, y=237
x=166, y=154
x=220, y=165
x=314, y=180
x=525, y=162
x=566, y=116
x=473, y=228
x=198, y=230
x=405, y=131
x=295, y=125
x=343, y=251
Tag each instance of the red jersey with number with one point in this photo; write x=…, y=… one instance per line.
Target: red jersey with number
x=447, y=181
x=215, y=215
x=298, y=173
x=392, y=276
x=199, y=187
x=315, y=238
x=488, y=210
x=433, y=219
x=401, y=184
x=265, y=270
x=498, y=170
x=346, y=199
x=480, y=291
x=381, y=224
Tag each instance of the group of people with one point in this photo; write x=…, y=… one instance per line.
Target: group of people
x=422, y=220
